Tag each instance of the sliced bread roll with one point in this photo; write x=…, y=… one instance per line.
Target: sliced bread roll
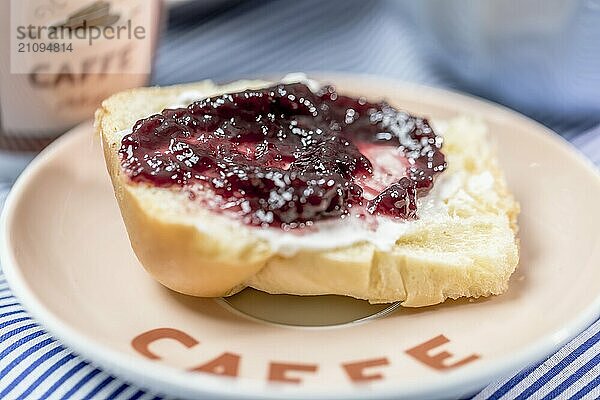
x=463, y=243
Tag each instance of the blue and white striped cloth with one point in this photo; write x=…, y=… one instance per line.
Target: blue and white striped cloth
x=272, y=37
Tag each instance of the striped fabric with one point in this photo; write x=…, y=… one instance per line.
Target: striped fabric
x=34, y=365
x=273, y=37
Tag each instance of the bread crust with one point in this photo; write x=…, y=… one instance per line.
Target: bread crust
x=210, y=258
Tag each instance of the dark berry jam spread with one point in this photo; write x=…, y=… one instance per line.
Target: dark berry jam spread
x=287, y=156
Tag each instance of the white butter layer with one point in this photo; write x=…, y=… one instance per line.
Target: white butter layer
x=333, y=234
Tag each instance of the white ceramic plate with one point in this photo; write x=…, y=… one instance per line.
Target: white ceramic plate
x=66, y=255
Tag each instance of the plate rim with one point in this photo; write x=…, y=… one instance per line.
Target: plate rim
x=157, y=377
